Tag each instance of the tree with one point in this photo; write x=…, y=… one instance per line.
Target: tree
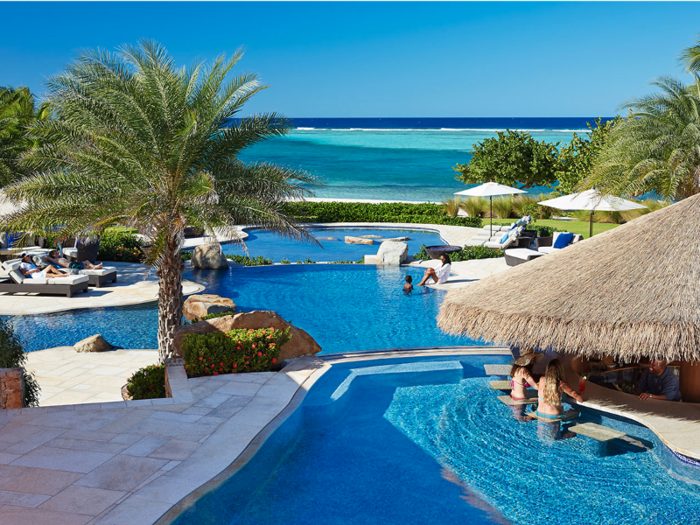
x=512, y=157
x=16, y=114
x=690, y=58
x=656, y=148
x=135, y=140
x=577, y=158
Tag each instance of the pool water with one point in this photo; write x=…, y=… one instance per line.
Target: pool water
x=267, y=244
x=426, y=441
x=344, y=307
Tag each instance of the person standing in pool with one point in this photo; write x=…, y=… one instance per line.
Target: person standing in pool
x=551, y=388
x=441, y=274
x=408, y=285
x=521, y=375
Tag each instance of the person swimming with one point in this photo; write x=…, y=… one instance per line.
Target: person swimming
x=408, y=285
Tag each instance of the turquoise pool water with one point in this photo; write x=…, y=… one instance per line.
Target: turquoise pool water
x=344, y=307
x=333, y=246
x=426, y=441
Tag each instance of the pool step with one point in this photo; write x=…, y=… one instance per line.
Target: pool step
x=507, y=400
x=569, y=415
x=497, y=370
x=500, y=385
x=597, y=432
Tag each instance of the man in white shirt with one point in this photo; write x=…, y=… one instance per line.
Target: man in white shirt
x=29, y=269
x=440, y=274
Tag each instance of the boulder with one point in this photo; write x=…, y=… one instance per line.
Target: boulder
x=358, y=240
x=326, y=239
x=392, y=252
x=397, y=239
x=370, y=236
x=209, y=257
x=300, y=344
x=96, y=343
x=198, y=306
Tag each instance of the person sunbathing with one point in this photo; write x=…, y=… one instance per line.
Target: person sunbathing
x=54, y=257
x=441, y=274
x=29, y=269
x=521, y=375
x=551, y=389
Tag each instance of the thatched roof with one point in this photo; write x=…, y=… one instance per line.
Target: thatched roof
x=630, y=292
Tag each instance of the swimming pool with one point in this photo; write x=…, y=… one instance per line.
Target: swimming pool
x=426, y=441
x=333, y=246
x=344, y=307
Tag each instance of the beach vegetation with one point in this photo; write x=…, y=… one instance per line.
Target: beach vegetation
x=475, y=206
x=452, y=206
x=133, y=139
x=234, y=352
x=655, y=148
x=503, y=207
x=246, y=260
x=513, y=158
x=396, y=212
x=120, y=247
x=468, y=253
x=12, y=355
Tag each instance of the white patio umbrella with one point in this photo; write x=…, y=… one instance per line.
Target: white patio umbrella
x=489, y=189
x=592, y=201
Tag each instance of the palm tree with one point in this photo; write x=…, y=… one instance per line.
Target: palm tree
x=135, y=140
x=16, y=113
x=656, y=148
x=690, y=58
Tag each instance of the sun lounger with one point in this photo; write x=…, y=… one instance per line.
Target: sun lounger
x=546, y=244
x=99, y=277
x=17, y=283
x=516, y=256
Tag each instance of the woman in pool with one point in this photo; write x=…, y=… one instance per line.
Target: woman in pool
x=54, y=257
x=441, y=274
x=551, y=388
x=521, y=375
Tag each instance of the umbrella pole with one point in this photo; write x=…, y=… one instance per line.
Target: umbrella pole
x=491, y=215
x=590, y=229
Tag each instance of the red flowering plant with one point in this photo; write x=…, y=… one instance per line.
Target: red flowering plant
x=233, y=352
x=147, y=383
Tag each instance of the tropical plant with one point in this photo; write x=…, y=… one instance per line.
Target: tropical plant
x=147, y=383
x=475, y=206
x=133, y=139
x=12, y=355
x=503, y=207
x=512, y=158
x=577, y=158
x=655, y=149
x=17, y=111
x=690, y=58
x=120, y=247
x=452, y=206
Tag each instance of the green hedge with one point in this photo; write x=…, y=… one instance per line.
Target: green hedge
x=147, y=383
x=385, y=212
x=468, y=253
x=233, y=352
x=120, y=247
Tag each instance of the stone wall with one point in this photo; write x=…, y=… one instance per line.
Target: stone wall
x=11, y=388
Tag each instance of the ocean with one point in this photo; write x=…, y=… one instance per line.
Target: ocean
x=408, y=159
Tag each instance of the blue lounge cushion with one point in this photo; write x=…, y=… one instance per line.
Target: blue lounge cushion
x=563, y=240
x=504, y=238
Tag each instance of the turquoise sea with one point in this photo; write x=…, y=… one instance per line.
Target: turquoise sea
x=396, y=158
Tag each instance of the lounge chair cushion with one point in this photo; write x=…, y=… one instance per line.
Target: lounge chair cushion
x=36, y=280
x=562, y=239
x=12, y=265
x=522, y=253
x=104, y=271
x=68, y=279
x=16, y=276
x=547, y=249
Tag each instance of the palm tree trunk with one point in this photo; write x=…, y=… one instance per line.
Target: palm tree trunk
x=169, y=299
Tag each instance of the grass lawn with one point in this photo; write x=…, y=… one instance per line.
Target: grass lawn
x=579, y=227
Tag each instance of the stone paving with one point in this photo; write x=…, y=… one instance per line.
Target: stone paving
x=128, y=463
x=135, y=285
x=66, y=376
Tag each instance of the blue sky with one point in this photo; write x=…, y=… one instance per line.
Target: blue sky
x=394, y=59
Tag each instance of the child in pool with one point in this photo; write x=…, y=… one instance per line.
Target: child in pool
x=408, y=285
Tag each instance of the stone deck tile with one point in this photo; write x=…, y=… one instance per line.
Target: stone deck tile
x=83, y=500
x=23, y=516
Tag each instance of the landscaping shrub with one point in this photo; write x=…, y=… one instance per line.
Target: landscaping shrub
x=250, y=261
x=12, y=356
x=452, y=206
x=476, y=206
x=425, y=213
x=147, y=383
x=186, y=255
x=544, y=231
x=119, y=247
x=237, y=351
x=212, y=316
x=468, y=253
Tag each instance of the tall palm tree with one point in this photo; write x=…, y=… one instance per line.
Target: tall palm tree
x=656, y=148
x=16, y=114
x=690, y=58
x=133, y=139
